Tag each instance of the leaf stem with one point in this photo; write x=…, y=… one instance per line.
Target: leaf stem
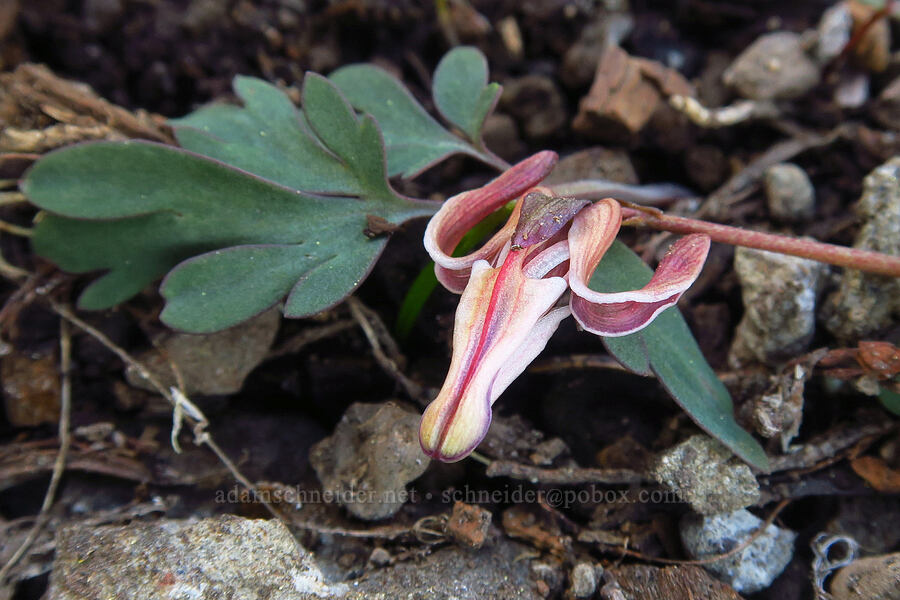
x=842, y=256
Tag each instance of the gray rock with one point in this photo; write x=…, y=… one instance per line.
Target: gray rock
x=779, y=295
x=775, y=66
x=584, y=580
x=864, y=303
x=210, y=364
x=536, y=102
x=852, y=90
x=495, y=571
x=706, y=475
x=510, y=438
x=789, y=192
x=226, y=557
x=231, y=557
x=750, y=570
x=833, y=32
x=372, y=455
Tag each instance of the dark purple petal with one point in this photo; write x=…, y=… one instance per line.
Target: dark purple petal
x=621, y=313
x=543, y=215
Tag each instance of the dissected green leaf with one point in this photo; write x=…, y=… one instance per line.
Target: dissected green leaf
x=414, y=139
x=461, y=90
x=667, y=349
x=137, y=209
x=267, y=136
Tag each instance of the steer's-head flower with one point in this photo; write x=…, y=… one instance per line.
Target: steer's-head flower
x=513, y=286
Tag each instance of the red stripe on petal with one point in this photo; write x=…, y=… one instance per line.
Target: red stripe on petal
x=500, y=314
x=463, y=211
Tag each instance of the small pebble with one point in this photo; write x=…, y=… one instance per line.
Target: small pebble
x=705, y=474
x=752, y=569
x=789, y=193
x=833, y=32
x=469, y=524
x=779, y=295
x=371, y=456
x=865, y=303
x=380, y=557
x=775, y=66
x=584, y=580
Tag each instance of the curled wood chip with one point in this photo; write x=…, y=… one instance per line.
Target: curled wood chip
x=873, y=578
x=521, y=523
x=469, y=524
x=626, y=92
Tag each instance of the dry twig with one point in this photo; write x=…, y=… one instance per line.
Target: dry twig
x=371, y=324
x=563, y=475
x=309, y=336
x=826, y=447
x=183, y=408
x=576, y=362
x=744, y=182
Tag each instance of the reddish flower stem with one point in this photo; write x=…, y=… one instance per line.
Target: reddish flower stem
x=853, y=258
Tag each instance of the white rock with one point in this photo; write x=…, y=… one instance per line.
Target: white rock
x=750, y=570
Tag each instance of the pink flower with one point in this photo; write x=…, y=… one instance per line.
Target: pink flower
x=513, y=286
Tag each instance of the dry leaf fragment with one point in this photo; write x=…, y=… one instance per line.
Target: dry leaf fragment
x=877, y=474
x=626, y=92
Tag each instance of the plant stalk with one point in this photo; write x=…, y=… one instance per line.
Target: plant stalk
x=842, y=256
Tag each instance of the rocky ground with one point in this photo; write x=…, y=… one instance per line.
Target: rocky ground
x=781, y=117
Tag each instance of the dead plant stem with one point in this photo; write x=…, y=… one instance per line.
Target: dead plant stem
x=852, y=258
x=65, y=441
x=390, y=364
x=201, y=436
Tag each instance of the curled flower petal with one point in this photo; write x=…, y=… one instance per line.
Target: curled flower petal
x=463, y=211
x=501, y=313
x=621, y=313
x=537, y=340
x=547, y=260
